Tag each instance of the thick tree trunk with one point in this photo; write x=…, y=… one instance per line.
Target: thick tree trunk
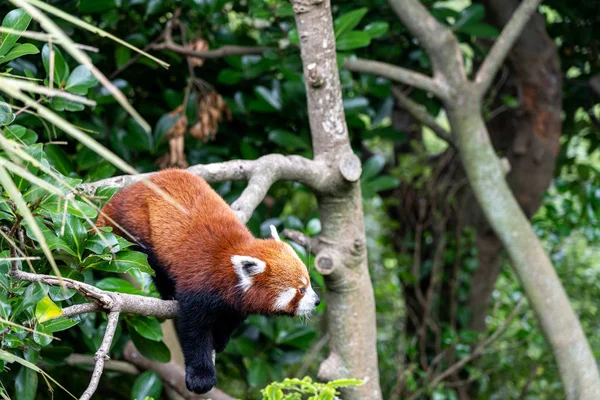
x=531, y=263
x=341, y=250
x=528, y=137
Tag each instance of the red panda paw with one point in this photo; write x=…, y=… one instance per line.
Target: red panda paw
x=199, y=382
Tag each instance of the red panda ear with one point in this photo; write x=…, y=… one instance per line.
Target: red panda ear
x=246, y=267
x=274, y=233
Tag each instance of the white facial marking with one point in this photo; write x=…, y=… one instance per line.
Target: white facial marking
x=246, y=267
x=303, y=280
x=307, y=303
x=274, y=233
x=284, y=298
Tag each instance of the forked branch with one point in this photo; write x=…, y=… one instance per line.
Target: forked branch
x=260, y=173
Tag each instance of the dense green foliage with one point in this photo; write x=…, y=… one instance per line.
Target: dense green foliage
x=266, y=96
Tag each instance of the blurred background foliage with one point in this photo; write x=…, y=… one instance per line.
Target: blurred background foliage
x=250, y=105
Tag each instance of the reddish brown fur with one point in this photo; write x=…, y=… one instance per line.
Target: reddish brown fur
x=196, y=248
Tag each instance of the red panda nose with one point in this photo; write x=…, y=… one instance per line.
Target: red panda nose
x=317, y=301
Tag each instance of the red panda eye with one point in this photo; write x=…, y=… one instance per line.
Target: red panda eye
x=302, y=290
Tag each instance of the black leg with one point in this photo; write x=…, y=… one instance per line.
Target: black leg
x=164, y=284
x=195, y=326
x=223, y=328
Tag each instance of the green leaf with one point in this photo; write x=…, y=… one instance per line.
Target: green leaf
x=19, y=51
x=300, y=338
x=470, y=16
x=17, y=20
x=274, y=393
x=59, y=159
x=6, y=114
x=353, y=40
x=229, y=77
x=154, y=6
x=120, y=262
x=122, y=55
x=344, y=383
x=59, y=324
x=137, y=138
x=284, y=10
x=372, y=167
x=271, y=97
x=381, y=183
x=57, y=206
x=61, y=69
x=46, y=309
x=147, y=384
x=73, y=232
x=155, y=351
x=377, y=29
x=41, y=336
x=31, y=296
x=287, y=139
x=80, y=81
x=480, y=30
x=20, y=134
x=258, y=372
x=96, y=6
x=164, y=124
x=148, y=327
x=100, y=245
x=347, y=22
x=54, y=242
x=117, y=285
x=26, y=384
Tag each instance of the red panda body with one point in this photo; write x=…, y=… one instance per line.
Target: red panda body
x=210, y=262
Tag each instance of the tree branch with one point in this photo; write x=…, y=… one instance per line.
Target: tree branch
x=261, y=174
x=113, y=365
x=171, y=373
x=439, y=42
x=102, y=355
x=310, y=243
x=224, y=51
x=503, y=44
x=399, y=74
x=104, y=300
x=420, y=113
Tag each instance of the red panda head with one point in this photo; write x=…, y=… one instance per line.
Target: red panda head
x=273, y=279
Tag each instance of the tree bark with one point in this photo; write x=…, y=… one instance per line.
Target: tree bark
x=546, y=295
x=485, y=172
x=341, y=254
x=527, y=136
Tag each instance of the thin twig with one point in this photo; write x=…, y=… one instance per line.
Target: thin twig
x=312, y=353
x=420, y=113
x=474, y=354
x=224, y=51
x=511, y=32
x=112, y=365
x=102, y=355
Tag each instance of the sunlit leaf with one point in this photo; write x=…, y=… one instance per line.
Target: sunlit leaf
x=46, y=309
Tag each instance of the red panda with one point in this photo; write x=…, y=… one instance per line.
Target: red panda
x=209, y=262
